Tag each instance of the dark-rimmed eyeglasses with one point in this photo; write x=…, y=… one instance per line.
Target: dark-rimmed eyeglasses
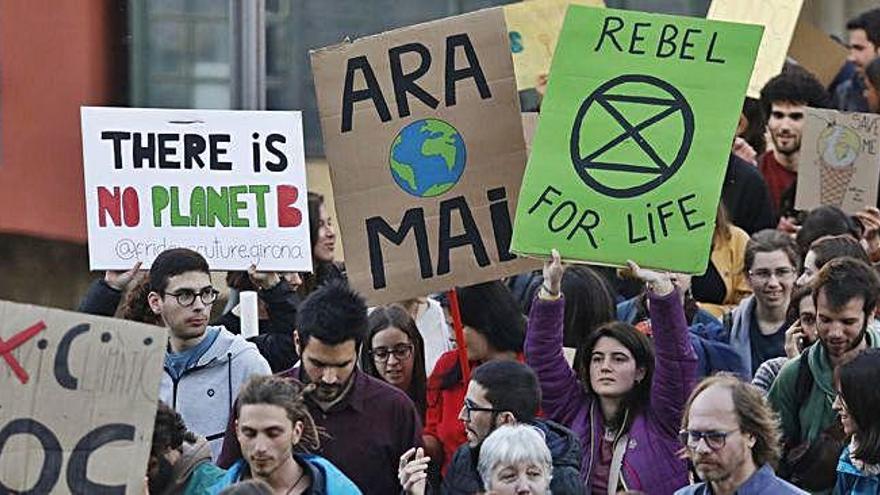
x=471, y=407
x=714, y=439
x=764, y=275
x=400, y=352
x=186, y=297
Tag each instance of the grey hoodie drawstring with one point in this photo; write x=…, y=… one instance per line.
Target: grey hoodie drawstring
x=229, y=379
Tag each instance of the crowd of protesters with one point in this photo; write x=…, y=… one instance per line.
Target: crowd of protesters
x=758, y=377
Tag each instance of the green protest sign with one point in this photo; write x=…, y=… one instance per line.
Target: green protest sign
x=633, y=138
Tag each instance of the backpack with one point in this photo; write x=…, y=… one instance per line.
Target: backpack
x=811, y=465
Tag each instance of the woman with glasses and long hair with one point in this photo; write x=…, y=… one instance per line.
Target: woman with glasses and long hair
x=394, y=352
x=626, y=417
x=756, y=328
x=858, y=470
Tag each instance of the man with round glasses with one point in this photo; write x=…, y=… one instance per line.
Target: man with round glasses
x=204, y=366
x=731, y=436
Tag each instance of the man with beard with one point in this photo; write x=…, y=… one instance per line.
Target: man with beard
x=274, y=422
x=180, y=462
x=731, y=436
x=845, y=292
x=369, y=423
x=500, y=393
x=864, y=45
x=783, y=101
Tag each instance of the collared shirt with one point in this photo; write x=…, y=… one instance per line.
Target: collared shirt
x=762, y=482
x=367, y=432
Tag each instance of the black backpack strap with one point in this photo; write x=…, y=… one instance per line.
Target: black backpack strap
x=803, y=386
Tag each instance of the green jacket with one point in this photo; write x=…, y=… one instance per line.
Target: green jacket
x=816, y=414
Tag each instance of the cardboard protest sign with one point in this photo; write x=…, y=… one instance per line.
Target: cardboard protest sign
x=817, y=52
x=228, y=184
x=778, y=17
x=633, y=139
x=839, y=164
x=424, y=139
x=530, y=124
x=78, y=397
x=533, y=27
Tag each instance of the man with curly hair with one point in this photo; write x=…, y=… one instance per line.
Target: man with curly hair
x=180, y=462
x=784, y=100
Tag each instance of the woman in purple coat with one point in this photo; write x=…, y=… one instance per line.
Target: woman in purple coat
x=626, y=400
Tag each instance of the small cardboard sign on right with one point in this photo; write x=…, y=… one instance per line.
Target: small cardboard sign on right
x=633, y=139
x=839, y=165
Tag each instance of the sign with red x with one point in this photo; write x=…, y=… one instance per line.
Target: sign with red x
x=17, y=340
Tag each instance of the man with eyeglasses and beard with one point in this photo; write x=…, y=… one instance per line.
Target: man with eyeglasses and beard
x=845, y=292
x=369, y=423
x=731, y=436
x=500, y=393
x=180, y=461
x=204, y=365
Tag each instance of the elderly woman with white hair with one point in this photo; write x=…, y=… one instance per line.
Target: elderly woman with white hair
x=514, y=460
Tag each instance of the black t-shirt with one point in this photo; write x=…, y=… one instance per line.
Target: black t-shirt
x=765, y=347
x=709, y=287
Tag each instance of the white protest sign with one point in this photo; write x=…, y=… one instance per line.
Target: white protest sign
x=228, y=184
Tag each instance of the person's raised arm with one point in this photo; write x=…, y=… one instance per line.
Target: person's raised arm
x=562, y=394
x=105, y=295
x=675, y=363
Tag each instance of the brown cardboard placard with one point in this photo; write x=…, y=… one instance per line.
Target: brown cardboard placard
x=778, y=17
x=424, y=138
x=78, y=398
x=839, y=162
x=813, y=49
x=530, y=124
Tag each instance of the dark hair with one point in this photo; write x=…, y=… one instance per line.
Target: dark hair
x=794, y=85
x=287, y=394
x=588, y=304
x=248, y=487
x=333, y=314
x=239, y=280
x=872, y=73
x=136, y=306
x=858, y=387
x=869, y=22
x=491, y=310
x=322, y=271
x=754, y=132
x=829, y=248
x=754, y=415
x=169, y=431
x=768, y=241
x=826, y=220
x=643, y=352
x=844, y=279
x=396, y=316
x=793, y=313
x=172, y=262
x=510, y=386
